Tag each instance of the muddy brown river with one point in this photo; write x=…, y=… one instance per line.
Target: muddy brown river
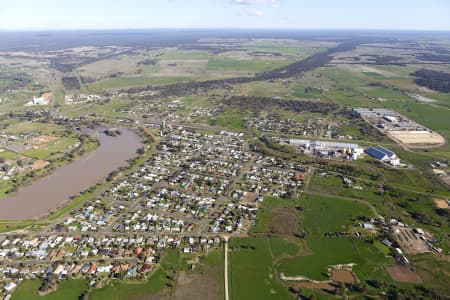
x=52, y=191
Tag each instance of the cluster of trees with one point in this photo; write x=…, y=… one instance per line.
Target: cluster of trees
x=71, y=83
x=147, y=62
x=435, y=80
x=211, y=49
x=62, y=67
x=48, y=285
x=433, y=57
x=112, y=132
x=66, y=63
x=262, y=103
x=13, y=82
x=384, y=59
x=86, y=80
x=312, y=62
x=386, y=291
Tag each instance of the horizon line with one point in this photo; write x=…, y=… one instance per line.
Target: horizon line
x=226, y=28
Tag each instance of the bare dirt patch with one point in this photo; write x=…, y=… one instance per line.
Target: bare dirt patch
x=285, y=221
x=202, y=286
x=41, y=140
x=403, y=274
x=39, y=164
x=441, y=203
x=343, y=276
x=418, y=138
x=327, y=286
x=366, y=68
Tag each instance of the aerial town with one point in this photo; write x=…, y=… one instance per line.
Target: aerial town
x=171, y=164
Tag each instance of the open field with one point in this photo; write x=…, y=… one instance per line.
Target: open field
x=418, y=138
x=60, y=145
x=317, y=222
x=251, y=271
x=326, y=252
x=433, y=271
x=172, y=65
x=334, y=185
x=277, y=216
x=244, y=65
x=131, y=82
x=310, y=257
x=331, y=251
x=289, y=48
x=205, y=282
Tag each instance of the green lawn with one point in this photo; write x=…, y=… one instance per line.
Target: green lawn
x=123, y=290
x=281, y=246
x=334, y=185
x=61, y=145
x=6, y=154
x=68, y=290
x=251, y=272
x=11, y=227
x=119, y=290
x=330, y=251
x=44, y=128
x=328, y=214
x=232, y=119
x=435, y=271
x=252, y=259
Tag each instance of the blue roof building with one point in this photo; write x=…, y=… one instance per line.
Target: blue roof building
x=381, y=153
x=388, y=152
x=374, y=152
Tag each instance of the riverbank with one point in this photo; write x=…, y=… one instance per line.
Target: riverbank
x=65, y=182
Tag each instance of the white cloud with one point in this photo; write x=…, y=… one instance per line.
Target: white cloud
x=259, y=13
x=274, y=3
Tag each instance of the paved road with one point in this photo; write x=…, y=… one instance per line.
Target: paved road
x=227, y=296
x=31, y=262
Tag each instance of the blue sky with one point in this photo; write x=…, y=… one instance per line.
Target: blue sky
x=303, y=14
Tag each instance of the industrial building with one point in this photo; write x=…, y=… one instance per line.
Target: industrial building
x=42, y=100
x=329, y=148
x=384, y=155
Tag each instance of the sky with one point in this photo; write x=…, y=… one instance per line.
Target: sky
x=255, y=14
